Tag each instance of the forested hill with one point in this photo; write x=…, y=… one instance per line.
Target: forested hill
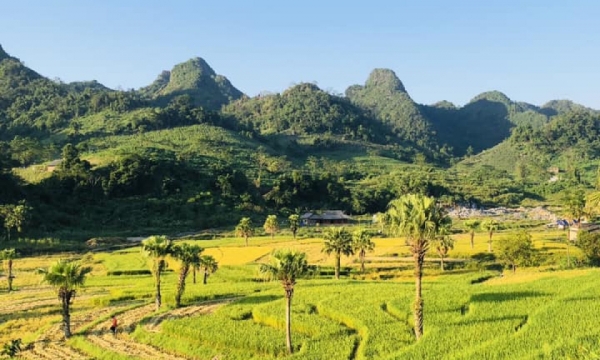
x=191, y=151
x=197, y=79
x=569, y=143
x=305, y=109
x=385, y=97
x=482, y=123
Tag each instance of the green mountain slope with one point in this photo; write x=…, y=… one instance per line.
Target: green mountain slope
x=482, y=123
x=305, y=109
x=570, y=142
x=194, y=78
x=385, y=97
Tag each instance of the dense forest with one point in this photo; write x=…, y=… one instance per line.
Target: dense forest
x=190, y=151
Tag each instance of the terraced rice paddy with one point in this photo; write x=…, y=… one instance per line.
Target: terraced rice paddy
x=469, y=314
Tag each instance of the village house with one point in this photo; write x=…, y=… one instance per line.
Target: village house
x=576, y=228
x=52, y=165
x=327, y=217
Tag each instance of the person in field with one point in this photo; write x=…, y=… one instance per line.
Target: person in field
x=113, y=326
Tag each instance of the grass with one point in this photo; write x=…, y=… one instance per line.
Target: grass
x=531, y=314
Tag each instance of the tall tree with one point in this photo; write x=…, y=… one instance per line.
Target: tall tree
x=66, y=276
x=490, y=225
x=286, y=266
x=418, y=218
x=575, y=205
x=157, y=248
x=294, y=224
x=472, y=225
x=589, y=243
x=516, y=250
x=9, y=255
x=443, y=243
x=337, y=241
x=361, y=243
x=244, y=228
x=15, y=217
x=188, y=255
x=575, y=208
x=271, y=225
x=209, y=265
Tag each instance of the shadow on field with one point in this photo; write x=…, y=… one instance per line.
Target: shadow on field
x=257, y=299
x=580, y=298
x=31, y=313
x=490, y=320
x=505, y=296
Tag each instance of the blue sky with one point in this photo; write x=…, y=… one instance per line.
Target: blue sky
x=533, y=50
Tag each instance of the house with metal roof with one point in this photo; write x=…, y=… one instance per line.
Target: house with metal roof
x=326, y=217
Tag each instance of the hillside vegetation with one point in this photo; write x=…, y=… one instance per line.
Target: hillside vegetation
x=190, y=151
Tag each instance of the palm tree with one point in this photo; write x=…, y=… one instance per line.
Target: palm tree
x=271, y=225
x=443, y=243
x=66, y=276
x=382, y=220
x=338, y=241
x=575, y=205
x=189, y=255
x=286, y=266
x=490, y=226
x=157, y=247
x=361, y=243
x=472, y=225
x=9, y=255
x=575, y=208
x=294, y=224
x=418, y=218
x=210, y=265
x=244, y=228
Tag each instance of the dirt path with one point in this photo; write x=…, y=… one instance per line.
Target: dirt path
x=200, y=309
x=27, y=304
x=52, y=350
x=51, y=344
x=122, y=343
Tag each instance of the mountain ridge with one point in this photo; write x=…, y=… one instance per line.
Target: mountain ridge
x=197, y=79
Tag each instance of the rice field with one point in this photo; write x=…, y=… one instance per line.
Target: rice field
x=470, y=313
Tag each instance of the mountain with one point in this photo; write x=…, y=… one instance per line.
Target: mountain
x=556, y=107
x=80, y=86
x=305, y=109
x=198, y=80
x=386, y=99
x=483, y=122
x=569, y=141
x=3, y=54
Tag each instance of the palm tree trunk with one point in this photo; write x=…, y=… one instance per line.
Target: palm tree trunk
x=181, y=284
x=288, y=319
x=158, y=299
x=194, y=273
x=568, y=253
x=362, y=261
x=514, y=266
x=10, y=275
x=337, y=265
x=66, y=316
x=490, y=243
x=246, y=238
x=472, y=239
x=418, y=256
x=442, y=262
x=273, y=235
x=204, y=281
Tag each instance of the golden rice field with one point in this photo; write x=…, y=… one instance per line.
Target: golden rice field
x=470, y=312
